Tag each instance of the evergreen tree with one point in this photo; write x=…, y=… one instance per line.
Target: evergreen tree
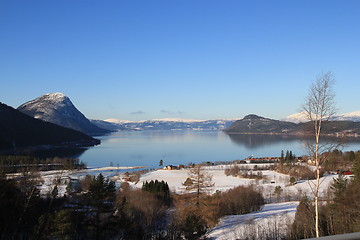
x=287, y=156
x=282, y=157
x=338, y=187
x=304, y=222
x=291, y=156
x=63, y=226
x=100, y=190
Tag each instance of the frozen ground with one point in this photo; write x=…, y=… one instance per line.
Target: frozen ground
x=175, y=179
x=273, y=218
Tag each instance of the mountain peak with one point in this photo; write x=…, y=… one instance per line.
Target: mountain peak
x=56, y=96
x=57, y=108
x=252, y=116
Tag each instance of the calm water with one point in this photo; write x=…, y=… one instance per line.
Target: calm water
x=146, y=148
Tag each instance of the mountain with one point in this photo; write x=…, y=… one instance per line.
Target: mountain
x=108, y=125
x=352, y=116
x=301, y=117
x=296, y=118
x=255, y=124
x=18, y=130
x=58, y=109
x=164, y=124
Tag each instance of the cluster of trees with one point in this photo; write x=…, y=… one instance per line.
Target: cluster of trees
x=94, y=209
x=240, y=200
x=156, y=187
x=160, y=189
x=198, y=210
x=338, y=215
x=296, y=171
x=17, y=163
x=191, y=220
x=27, y=215
x=338, y=160
x=289, y=157
x=236, y=171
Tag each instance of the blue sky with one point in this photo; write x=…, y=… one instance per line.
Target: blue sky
x=199, y=59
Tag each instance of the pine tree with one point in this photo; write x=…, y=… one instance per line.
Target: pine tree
x=338, y=187
x=282, y=157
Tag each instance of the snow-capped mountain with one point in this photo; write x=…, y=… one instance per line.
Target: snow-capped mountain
x=352, y=116
x=165, y=124
x=19, y=130
x=296, y=118
x=301, y=117
x=58, y=109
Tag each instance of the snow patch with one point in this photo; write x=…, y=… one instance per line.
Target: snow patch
x=274, y=216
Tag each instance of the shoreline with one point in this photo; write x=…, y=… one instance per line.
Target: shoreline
x=112, y=168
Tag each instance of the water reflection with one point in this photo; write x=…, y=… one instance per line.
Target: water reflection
x=146, y=148
x=253, y=141
x=58, y=152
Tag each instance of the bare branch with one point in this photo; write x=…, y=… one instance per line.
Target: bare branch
x=319, y=107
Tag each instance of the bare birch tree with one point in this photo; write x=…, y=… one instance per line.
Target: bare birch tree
x=319, y=107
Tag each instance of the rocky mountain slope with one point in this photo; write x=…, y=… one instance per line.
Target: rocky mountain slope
x=58, y=109
x=256, y=124
x=18, y=130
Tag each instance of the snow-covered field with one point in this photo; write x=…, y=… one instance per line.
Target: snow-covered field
x=274, y=216
x=272, y=219
x=176, y=178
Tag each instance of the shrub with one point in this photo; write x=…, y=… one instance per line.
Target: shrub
x=240, y=200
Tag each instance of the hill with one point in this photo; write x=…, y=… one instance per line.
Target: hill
x=253, y=124
x=18, y=130
x=58, y=109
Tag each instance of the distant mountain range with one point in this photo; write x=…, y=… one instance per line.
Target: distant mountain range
x=301, y=117
x=253, y=124
x=271, y=125
x=58, y=109
x=164, y=124
x=18, y=131
x=217, y=124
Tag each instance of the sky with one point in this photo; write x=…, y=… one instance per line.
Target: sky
x=193, y=59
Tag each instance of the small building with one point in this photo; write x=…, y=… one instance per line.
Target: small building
x=347, y=172
x=170, y=167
